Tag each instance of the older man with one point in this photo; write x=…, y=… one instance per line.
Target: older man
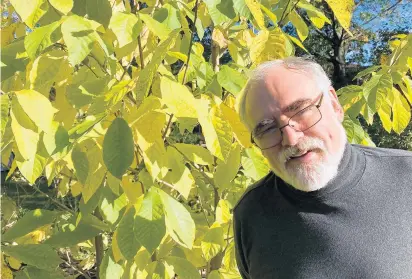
x=328, y=209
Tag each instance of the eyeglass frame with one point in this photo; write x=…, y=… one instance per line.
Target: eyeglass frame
x=288, y=124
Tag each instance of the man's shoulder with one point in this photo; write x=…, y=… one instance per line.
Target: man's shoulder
x=380, y=152
x=253, y=191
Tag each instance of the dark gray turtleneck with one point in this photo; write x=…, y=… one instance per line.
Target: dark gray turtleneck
x=358, y=226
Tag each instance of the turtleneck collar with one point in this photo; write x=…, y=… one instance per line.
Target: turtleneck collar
x=350, y=171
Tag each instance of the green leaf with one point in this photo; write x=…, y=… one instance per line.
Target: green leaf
x=126, y=239
x=63, y=6
x=215, y=274
x=231, y=80
x=30, y=272
x=183, y=268
x=127, y=27
x=355, y=132
x=159, y=29
x=212, y=242
x=31, y=221
x=220, y=10
x=11, y=59
x=80, y=163
x=254, y=164
x=149, y=223
x=299, y=24
x=343, y=11
x=143, y=84
x=179, y=222
x=401, y=112
x=56, y=140
x=118, y=147
x=32, y=102
x=85, y=230
x=109, y=268
x=226, y=171
x=99, y=10
x=241, y=8
x=39, y=255
x=41, y=38
x=80, y=34
x=195, y=153
x=168, y=15
x=30, y=11
x=366, y=72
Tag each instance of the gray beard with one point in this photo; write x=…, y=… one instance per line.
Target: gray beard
x=314, y=176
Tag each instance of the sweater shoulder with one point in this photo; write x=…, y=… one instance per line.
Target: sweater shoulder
x=252, y=191
x=383, y=152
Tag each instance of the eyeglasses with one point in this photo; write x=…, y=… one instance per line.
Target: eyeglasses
x=270, y=136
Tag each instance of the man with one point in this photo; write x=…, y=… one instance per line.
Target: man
x=328, y=209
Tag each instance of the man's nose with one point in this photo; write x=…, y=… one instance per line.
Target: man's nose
x=290, y=136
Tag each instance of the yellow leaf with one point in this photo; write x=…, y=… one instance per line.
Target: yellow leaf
x=32, y=103
x=178, y=98
x=76, y=189
x=20, y=30
x=219, y=37
x=223, y=212
x=14, y=263
x=241, y=133
x=216, y=130
x=24, y=131
x=34, y=237
x=254, y=8
x=268, y=45
x=6, y=272
x=149, y=138
x=30, y=11
x=133, y=189
x=401, y=112
x=159, y=29
x=343, y=11
x=7, y=35
x=226, y=171
x=179, y=176
x=117, y=255
x=299, y=24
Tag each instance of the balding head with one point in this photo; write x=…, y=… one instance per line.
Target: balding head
x=294, y=64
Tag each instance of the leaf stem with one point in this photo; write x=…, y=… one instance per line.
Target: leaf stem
x=191, y=41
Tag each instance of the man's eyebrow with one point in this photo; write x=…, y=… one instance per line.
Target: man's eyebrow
x=297, y=104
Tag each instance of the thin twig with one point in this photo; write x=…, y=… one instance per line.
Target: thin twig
x=284, y=11
x=139, y=42
x=78, y=269
x=167, y=127
x=53, y=200
x=191, y=42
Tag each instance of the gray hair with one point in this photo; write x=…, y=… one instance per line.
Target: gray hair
x=303, y=65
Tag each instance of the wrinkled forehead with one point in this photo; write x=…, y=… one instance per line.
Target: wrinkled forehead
x=278, y=89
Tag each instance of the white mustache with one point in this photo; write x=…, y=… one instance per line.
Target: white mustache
x=306, y=144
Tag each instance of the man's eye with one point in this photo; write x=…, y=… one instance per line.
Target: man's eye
x=268, y=129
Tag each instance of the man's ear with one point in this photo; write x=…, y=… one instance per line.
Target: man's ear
x=335, y=104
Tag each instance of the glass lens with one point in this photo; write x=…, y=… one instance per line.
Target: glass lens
x=305, y=118
x=268, y=138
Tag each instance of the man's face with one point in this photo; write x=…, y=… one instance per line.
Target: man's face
x=322, y=145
